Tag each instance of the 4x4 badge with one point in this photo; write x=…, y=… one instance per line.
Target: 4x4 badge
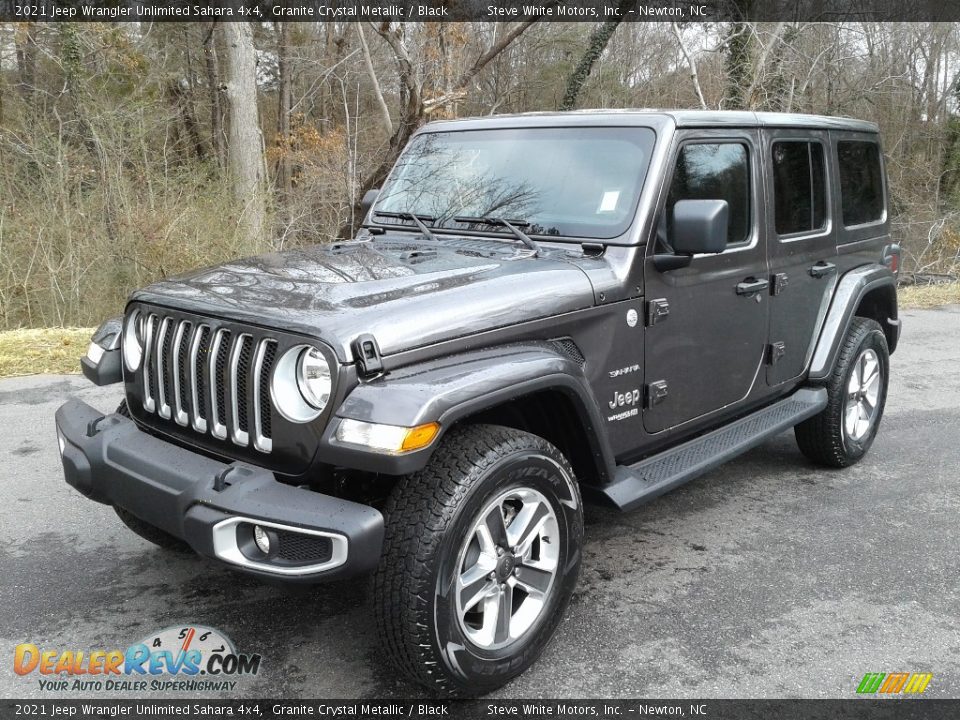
x=632, y=317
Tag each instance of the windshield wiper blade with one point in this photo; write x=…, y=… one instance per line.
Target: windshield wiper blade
x=417, y=218
x=511, y=225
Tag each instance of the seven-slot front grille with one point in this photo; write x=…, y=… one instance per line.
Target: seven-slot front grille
x=209, y=378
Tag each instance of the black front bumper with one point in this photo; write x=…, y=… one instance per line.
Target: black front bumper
x=207, y=503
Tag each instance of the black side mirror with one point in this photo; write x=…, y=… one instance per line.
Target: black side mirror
x=700, y=226
x=369, y=198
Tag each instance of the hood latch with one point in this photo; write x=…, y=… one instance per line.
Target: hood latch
x=367, y=354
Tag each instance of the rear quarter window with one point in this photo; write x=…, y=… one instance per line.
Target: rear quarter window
x=799, y=189
x=861, y=182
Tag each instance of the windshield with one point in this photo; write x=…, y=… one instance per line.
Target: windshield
x=580, y=182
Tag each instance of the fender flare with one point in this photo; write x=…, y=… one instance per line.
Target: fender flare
x=449, y=389
x=850, y=290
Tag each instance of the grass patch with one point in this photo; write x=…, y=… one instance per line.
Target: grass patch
x=928, y=296
x=42, y=350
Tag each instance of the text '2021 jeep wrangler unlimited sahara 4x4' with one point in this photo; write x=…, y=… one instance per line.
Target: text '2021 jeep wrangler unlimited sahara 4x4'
x=537, y=306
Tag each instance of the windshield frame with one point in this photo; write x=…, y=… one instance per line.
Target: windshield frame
x=629, y=235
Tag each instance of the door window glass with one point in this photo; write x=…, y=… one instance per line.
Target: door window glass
x=799, y=192
x=714, y=171
x=861, y=182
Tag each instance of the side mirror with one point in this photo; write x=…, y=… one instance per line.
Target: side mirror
x=369, y=198
x=700, y=226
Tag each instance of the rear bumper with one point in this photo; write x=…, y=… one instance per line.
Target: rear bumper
x=211, y=505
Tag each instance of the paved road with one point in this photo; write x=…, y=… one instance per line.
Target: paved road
x=767, y=577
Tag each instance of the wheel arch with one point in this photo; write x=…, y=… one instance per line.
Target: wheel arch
x=557, y=417
x=880, y=304
x=530, y=387
x=868, y=291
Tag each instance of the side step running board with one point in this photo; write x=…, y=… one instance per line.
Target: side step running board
x=634, y=485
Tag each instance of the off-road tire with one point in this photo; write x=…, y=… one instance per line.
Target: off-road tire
x=823, y=438
x=148, y=532
x=428, y=516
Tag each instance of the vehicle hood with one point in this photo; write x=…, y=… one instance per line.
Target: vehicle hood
x=406, y=292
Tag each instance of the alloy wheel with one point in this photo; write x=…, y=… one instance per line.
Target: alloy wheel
x=863, y=394
x=506, y=568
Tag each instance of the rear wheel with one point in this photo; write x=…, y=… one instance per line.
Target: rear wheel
x=857, y=391
x=148, y=532
x=481, y=556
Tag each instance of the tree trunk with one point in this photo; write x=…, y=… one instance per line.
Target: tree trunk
x=284, y=169
x=245, y=161
x=179, y=95
x=377, y=90
x=691, y=64
x=595, y=47
x=214, y=90
x=737, y=64
x=26, y=47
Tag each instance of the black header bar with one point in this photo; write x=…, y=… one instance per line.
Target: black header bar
x=267, y=709
x=477, y=10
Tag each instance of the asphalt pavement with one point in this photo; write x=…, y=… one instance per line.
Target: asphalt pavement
x=768, y=577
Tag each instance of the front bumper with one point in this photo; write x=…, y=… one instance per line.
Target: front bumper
x=213, y=505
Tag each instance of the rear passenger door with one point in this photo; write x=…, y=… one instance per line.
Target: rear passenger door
x=801, y=247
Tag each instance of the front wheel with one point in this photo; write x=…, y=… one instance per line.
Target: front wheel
x=482, y=552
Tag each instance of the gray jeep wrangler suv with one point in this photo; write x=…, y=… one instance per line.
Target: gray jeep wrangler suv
x=538, y=309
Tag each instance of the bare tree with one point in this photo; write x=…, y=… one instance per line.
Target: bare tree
x=284, y=107
x=691, y=64
x=245, y=159
x=375, y=81
x=213, y=88
x=26, y=48
x=595, y=47
x=414, y=108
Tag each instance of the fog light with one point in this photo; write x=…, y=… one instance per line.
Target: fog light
x=262, y=540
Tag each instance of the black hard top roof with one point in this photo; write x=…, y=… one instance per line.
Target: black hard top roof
x=645, y=117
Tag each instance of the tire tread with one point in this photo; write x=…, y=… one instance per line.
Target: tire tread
x=420, y=507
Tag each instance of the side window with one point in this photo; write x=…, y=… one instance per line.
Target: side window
x=861, y=182
x=714, y=171
x=799, y=190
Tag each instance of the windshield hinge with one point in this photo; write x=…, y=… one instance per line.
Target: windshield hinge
x=591, y=249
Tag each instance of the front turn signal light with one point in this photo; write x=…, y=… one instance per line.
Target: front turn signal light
x=419, y=436
x=392, y=439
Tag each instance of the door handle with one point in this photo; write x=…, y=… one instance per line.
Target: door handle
x=751, y=286
x=822, y=269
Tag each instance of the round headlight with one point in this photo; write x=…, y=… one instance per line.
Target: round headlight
x=313, y=378
x=301, y=383
x=133, y=341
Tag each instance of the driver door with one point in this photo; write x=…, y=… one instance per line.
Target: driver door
x=706, y=351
